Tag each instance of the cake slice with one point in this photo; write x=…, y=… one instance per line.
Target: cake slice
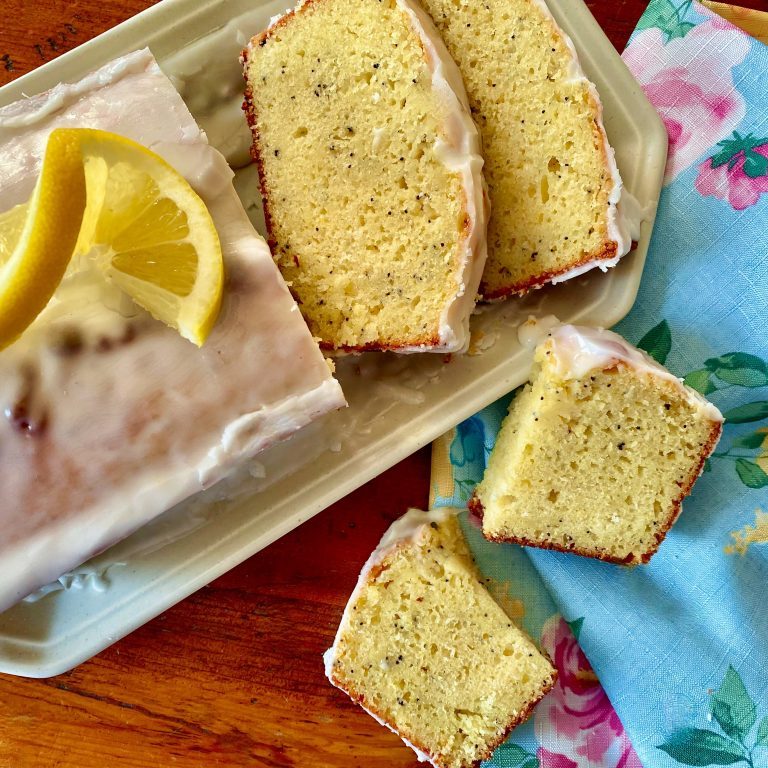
x=553, y=182
x=597, y=452
x=107, y=416
x=370, y=174
x=425, y=650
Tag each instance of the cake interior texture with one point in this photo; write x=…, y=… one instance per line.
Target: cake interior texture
x=365, y=220
x=545, y=158
x=426, y=650
x=597, y=465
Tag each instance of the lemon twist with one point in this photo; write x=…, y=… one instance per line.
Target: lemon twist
x=32, y=267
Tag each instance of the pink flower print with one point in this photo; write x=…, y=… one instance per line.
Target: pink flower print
x=738, y=173
x=576, y=724
x=699, y=104
x=549, y=759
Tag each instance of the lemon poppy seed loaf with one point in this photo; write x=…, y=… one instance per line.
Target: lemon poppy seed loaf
x=597, y=452
x=551, y=174
x=424, y=648
x=370, y=173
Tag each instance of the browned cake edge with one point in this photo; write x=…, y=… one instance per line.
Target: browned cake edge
x=476, y=507
x=257, y=154
x=606, y=253
x=375, y=569
x=490, y=748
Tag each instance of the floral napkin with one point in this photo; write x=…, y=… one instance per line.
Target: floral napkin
x=676, y=651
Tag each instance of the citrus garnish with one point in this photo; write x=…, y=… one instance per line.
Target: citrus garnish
x=143, y=226
x=37, y=238
x=150, y=233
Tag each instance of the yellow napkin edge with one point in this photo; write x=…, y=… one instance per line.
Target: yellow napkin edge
x=441, y=473
x=754, y=23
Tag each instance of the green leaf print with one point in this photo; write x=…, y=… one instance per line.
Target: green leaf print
x=681, y=30
x=513, y=755
x=701, y=381
x=762, y=733
x=695, y=746
x=739, y=368
x=735, y=712
x=736, y=147
x=575, y=626
x=666, y=16
x=657, y=342
x=755, y=165
x=751, y=474
x=732, y=706
x=750, y=441
x=743, y=414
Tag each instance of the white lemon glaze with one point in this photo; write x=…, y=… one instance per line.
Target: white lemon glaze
x=126, y=418
x=459, y=151
x=577, y=350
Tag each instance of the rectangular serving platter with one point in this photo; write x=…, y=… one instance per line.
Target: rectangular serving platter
x=397, y=403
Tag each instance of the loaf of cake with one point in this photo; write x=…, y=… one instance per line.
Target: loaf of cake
x=597, y=452
x=108, y=417
x=553, y=182
x=370, y=173
x=425, y=650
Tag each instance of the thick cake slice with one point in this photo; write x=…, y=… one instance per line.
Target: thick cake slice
x=107, y=416
x=426, y=651
x=370, y=173
x=553, y=182
x=597, y=452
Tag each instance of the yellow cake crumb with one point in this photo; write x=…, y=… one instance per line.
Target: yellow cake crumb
x=546, y=161
x=595, y=461
x=366, y=220
x=425, y=648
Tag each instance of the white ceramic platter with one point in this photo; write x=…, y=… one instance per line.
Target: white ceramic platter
x=397, y=403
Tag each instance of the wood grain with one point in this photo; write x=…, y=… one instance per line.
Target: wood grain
x=34, y=33
x=233, y=675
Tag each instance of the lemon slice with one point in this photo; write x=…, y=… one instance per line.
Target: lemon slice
x=140, y=222
x=37, y=239
x=150, y=233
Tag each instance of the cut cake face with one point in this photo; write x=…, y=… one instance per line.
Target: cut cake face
x=425, y=650
x=597, y=452
x=110, y=416
x=370, y=174
x=552, y=178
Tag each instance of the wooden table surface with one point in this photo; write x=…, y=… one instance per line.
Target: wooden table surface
x=233, y=675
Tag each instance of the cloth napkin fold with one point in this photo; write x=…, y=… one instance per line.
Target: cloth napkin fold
x=678, y=648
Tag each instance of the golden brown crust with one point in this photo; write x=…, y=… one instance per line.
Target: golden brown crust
x=381, y=565
x=426, y=341
x=476, y=507
x=256, y=148
x=606, y=253
x=519, y=719
x=714, y=436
